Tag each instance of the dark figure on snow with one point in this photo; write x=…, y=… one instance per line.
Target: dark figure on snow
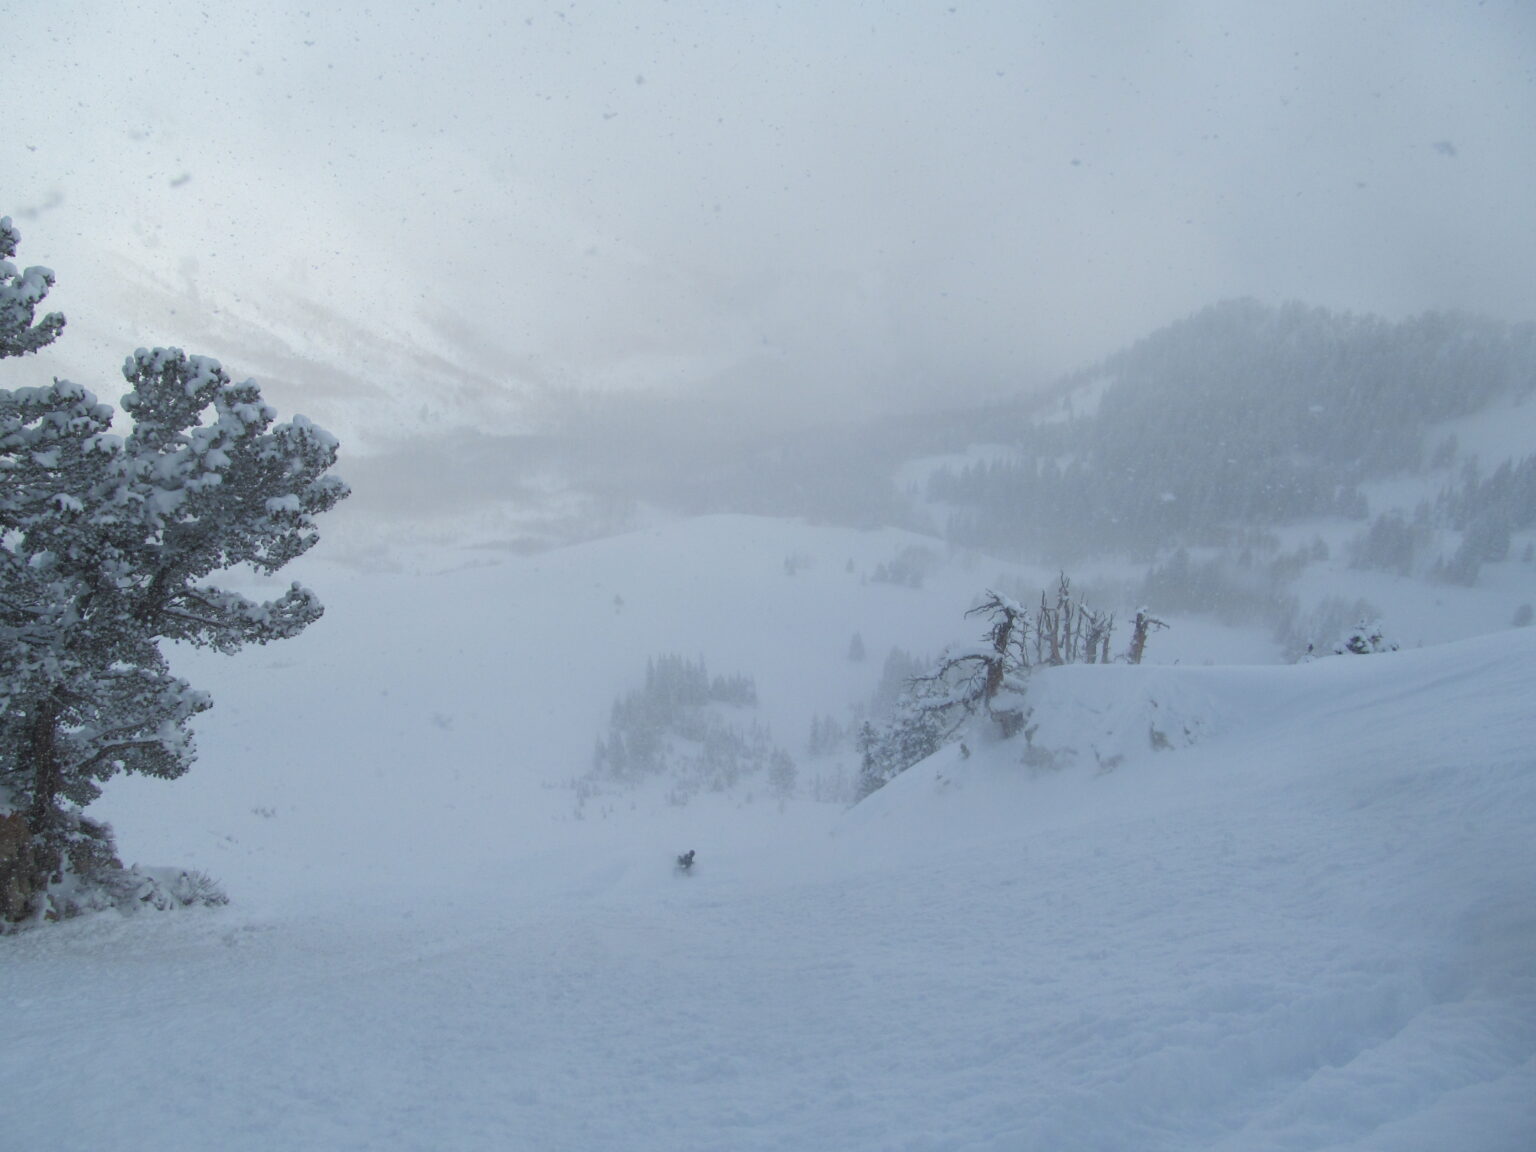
x=685, y=861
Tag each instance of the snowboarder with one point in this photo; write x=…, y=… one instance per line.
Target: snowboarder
x=685, y=861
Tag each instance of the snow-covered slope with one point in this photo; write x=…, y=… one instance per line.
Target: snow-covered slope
x=1250, y=907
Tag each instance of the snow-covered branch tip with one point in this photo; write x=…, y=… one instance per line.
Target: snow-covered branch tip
x=21, y=291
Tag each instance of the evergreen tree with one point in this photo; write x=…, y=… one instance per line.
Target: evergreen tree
x=107, y=545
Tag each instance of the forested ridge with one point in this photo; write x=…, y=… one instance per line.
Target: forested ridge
x=1242, y=416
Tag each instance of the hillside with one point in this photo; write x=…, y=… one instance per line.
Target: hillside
x=1307, y=925
x=1283, y=468
x=1242, y=419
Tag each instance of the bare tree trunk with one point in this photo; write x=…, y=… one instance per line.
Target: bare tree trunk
x=30, y=851
x=42, y=750
x=1002, y=636
x=1139, y=633
x=1138, y=639
x=1064, y=617
x=1042, y=620
x=1049, y=624
x=18, y=873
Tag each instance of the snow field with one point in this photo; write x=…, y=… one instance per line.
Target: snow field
x=1307, y=926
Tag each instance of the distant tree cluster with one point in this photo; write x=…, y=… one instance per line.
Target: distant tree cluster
x=1250, y=584
x=686, y=727
x=1481, y=511
x=826, y=736
x=1394, y=542
x=1486, y=510
x=909, y=568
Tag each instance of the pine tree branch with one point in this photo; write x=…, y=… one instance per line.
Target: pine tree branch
x=108, y=753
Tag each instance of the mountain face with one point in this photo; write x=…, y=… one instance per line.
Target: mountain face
x=1240, y=418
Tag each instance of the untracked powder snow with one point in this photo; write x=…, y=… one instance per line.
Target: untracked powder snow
x=1301, y=919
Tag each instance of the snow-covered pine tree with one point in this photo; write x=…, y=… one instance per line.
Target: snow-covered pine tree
x=21, y=291
x=1365, y=639
x=912, y=734
x=985, y=677
x=105, y=546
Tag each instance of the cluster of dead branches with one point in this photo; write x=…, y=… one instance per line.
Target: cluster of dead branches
x=991, y=676
x=1063, y=630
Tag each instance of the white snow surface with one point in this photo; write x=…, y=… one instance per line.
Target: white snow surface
x=1303, y=918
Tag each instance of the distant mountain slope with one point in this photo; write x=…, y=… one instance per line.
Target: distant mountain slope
x=1243, y=416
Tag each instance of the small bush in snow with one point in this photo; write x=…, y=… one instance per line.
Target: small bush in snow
x=1364, y=639
x=165, y=889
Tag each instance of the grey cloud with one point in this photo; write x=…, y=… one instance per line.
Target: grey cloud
x=882, y=206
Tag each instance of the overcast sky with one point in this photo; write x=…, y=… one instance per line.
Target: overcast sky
x=866, y=202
